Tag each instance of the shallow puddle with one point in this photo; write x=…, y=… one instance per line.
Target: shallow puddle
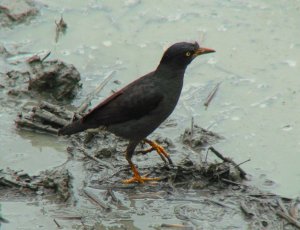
x=256, y=107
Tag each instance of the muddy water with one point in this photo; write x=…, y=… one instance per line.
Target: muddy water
x=257, y=60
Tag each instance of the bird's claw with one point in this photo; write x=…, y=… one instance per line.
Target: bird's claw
x=140, y=179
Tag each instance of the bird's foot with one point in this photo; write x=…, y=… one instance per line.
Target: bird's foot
x=137, y=177
x=160, y=151
x=140, y=179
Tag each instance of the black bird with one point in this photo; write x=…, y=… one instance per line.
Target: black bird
x=139, y=108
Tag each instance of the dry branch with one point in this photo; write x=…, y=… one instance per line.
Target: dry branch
x=95, y=199
x=288, y=218
x=218, y=154
x=211, y=95
x=90, y=97
x=25, y=123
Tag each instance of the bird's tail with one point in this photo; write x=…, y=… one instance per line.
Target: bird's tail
x=75, y=127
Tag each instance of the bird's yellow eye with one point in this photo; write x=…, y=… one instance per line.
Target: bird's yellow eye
x=188, y=54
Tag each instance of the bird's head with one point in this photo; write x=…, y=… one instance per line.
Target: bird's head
x=179, y=55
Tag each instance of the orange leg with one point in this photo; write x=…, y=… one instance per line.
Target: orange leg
x=137, y=177
x=159, y=149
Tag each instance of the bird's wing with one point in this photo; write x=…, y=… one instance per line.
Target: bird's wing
x=132, y=102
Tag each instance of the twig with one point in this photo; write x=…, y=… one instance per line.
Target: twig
x=68, y=217
x=29, y=124
x=177, y=226
x=243, y=162
x=61, y=27
x=219, y=203
x=201, y=201
x=288, y=218
x=192, y=131
x=232, y=182
x=11, y=184
x=211, y=95
x=57, y=224
x=95, y=199
x=218, y=154
x=281, y=205
x=294, y=209
x=90, y=97
x=192, y=127
x=59, y=111
x=50, y=117
x=8, y=183
x=47, y=55
x=102, y=163
x=3, y=220
x=112, y=195
x=246, y=209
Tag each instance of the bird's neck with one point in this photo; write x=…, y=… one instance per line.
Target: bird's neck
x=170, y=71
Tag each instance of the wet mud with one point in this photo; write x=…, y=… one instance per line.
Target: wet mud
x=13, y=12
x=204, y=189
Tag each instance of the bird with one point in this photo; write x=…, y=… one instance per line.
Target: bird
x=136, y=110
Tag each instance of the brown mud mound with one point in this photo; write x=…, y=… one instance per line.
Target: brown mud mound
x=16, y=11
x=53, y=79
x=19, y=185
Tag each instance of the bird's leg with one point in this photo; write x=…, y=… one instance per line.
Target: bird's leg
x=152, y=149
x=159, y=149
x=136, y=175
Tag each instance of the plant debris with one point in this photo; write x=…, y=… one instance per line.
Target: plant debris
x=61, y=28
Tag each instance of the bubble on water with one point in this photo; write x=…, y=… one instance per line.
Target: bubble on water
x=142, y=45
x=81, y=51
x=290, y=63
x=131, y=2
x=66, y=52
x=263, y=86
x=287, y=128
x=212, y=61
x=94, y=47
x=107, y=43
x=235, y=118
x=262, y=106
x=222, y=28
x=119, y=62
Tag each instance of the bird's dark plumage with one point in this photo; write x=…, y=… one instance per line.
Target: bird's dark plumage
x=139, y=108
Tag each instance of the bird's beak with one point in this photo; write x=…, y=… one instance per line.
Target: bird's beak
x=203, y=50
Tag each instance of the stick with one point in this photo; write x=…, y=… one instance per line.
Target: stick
x=102, y=163
x=218, y=154
x=57, y=224
x=49, y=117
x=177, y=226
x=94, y=198
x=11, y=184
x=90, y=97
x=232, y=182
x=246, y=209
x=112, y=195
x=290, y=219
x=294, y=209
x=68, y=217
x=59, y=111
x=29, y=124
x=47, y=55
x=3, y=220
x=281, y=205
x=211, y=95
x=219, y=203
